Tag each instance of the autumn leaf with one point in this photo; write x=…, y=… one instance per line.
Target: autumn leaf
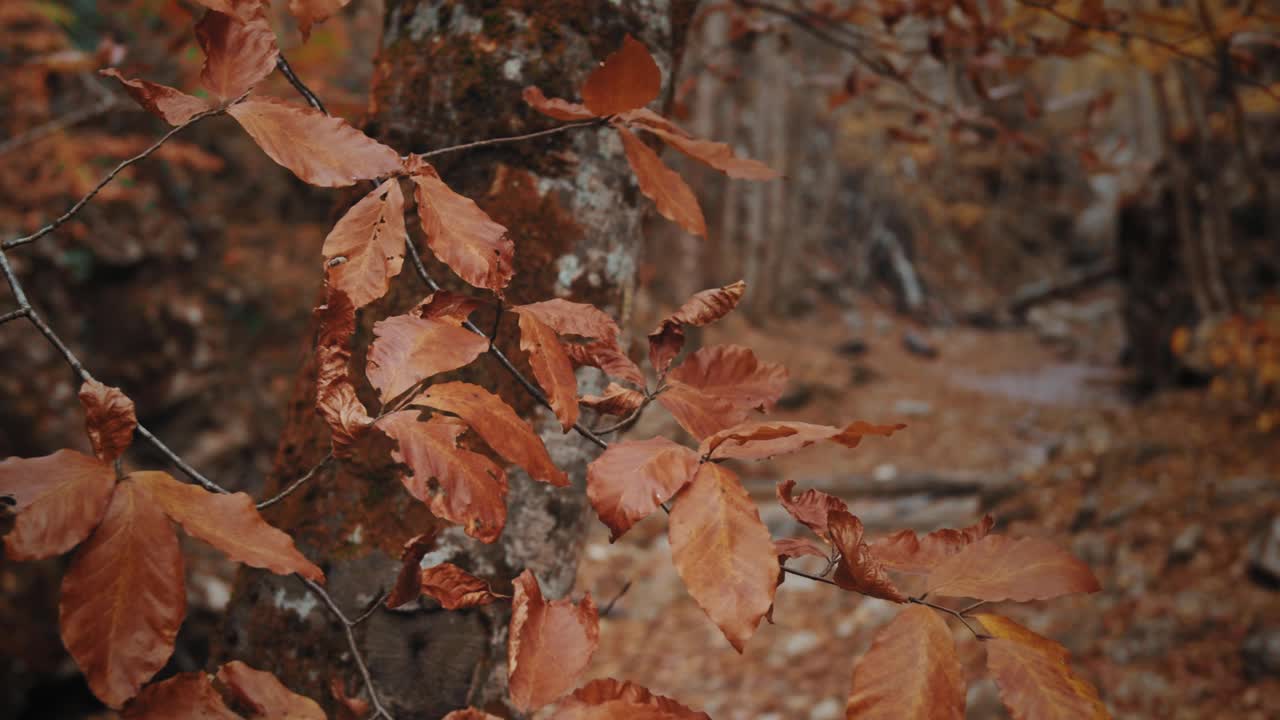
x=668, y=191
x=462, y=235
x=365, y=249
x=609, y=699
x=123, y=597
x=758, y=440
x=608, y=356
x=408, y=584
x=549, y=644
x=704, y=308
x=904, y=551
x=851, y=435
x=557, y=108
x=498, y=425
x=265, y=695
x=455, y=588
x=796, y=547
x=408, y=349
x=470, y=714
x=998, y=568
x=734, y=373
x=320, y=149
x=185, y=695
x=616, y=400
x=627, y=79
x=458, y=485
x=697, y=412
x=336, y=399
x=634, y=477
x=310, y=12
x=811, y=508
x=716, y=155
x=1034, y=676
x=723, y=552
x=59, y=499
x=229, y=522
x=572, y=318
x=171, y=105
x=911, y=672
x=858, y=570
x=109, y=419
x=239, y=50
x=551, y=367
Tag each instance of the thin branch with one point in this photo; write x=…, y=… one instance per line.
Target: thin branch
x=373, y=608
x=627, y=421
x=971, y=608
x=609, y=605
x=516, y=138
x=803, y=574
x=953, y=613
x=297, y=483
x=287, y=71
x=19, y=313
x=62, y=122
x=356, y=655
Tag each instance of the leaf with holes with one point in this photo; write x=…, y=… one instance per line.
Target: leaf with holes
x=1034, y=675
x=723, y=552
x=609, y=699
x=911, y=672
x=365, y=249
x=904, y=551
x=627, y=79
x=169, y=104
x=704, y=308
x=239, y=50
x=551, y=367
x=549, y=644
x=455, y=588
x=634, y=477
x=408, y=349
x=668, y=191
x=462, y=235
x=858, y=570
x=998, y=568
x=265, y=695
x=59, y=499
x=109, y=419
x=336, y=399
x=713, y=154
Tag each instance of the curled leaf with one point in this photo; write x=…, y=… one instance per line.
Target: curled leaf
x=633, y=477
x=336, y=399
x=704, y=308
x=811, y=508
x=904, y=551
x=557, y=108
x=858, y=569
x=59, y=499
x=169, y=104
x=109, y=419
x=758, y=440
x=409, y=581
x=549, y=644
x=455, y=588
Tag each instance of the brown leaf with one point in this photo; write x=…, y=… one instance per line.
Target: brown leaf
x=858, y=569
x=704, y=308
x=171, y=105
x=408, y=349
x=498, y=425
x=616, y=400
x=123, y=597
x=230, y=523
x=1034, y=676
x=458, y=485
x=320, y=149
x=571, y=318
x=609, y=699
x=239, y=50
x=797, y=547
x=349, y=708
x=336, y=399
x=446, y=305
x=758, y=440
x=905, y=552
x=633, y=477
x=310, y=12
x=811, y=508
x=551, y=367
x=723, y=552
x=853, y=433
x=455, y=588
x=627, y=79
x=608, y=356
x=911, y=672
x=998, y=568
x=190, y=696
x=549, y=644
x=557, y=108
x=365, y=249
x=734, y=373
x=668, y=191
x=697, y=412
x=59, y=499
x=470, y=714
x=462, y=235
x=109, y=419
x=716, y=155
x=409, y=581
x=266, y=695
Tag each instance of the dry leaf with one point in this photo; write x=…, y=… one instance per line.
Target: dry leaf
x=904, y=551
x=616, y=400
x=551, y=367
x=758, y=440
x=409, y=581
x=109, y=419
x=627, y=79
x=716, y=155
x=609, y=699
x=59, y=499
x=186, y=695
x=608, y=356
x=668, y=191
x=634, y=477
x=549, y=644
x=858, y=570
x=704, y=308
x=408, y=349
x=266, y=695
x=734, y=373
x=171, y=105
x=239, y=50
x=811, y=508
x=911, y=672
x=998, y=568
x=462, y=235
x=365, y=249
x=336, y=399
x=797, y=547
x=455, y=588
x=310, y=12
x=697, y=412
x=571, y=318
x=1034, y=677
x=470, y=714
x=557, y=108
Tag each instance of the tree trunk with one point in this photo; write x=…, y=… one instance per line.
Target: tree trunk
x=447, y=73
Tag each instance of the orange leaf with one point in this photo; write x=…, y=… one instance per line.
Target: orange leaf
x=171, y=105
x=123, y=597
x=853, y=433
x=723, y=552
x=455, y=588
x=758, y=440
x=462, y=235
x=609, y=699
x=470, y=714
x=409, y=581
x=408, y=349
x=734, y=373
x=239, y=50
x=320, y=149
x=616, y=400
x=230, y=523
x=551, y=367
x=365, y=249
x=571, y=318
x=998, y=567
x=549, y=644
x=109, y=419
x=704, y=308
x=627, y=79
x=310, y=12
x=664, y=186
x=498, y=425
x=716, y=155
x=812, y=508
x=59, y=500
x=796, y=547
x=697, y=412
x=858, y=569
x=336, y=399
x=458, y=485
x=608, y=356
x=266, y=695
x=911, y=672
x=186, y=695
x=1034, y=677
x=557, y=108
x=633, y=477
x=904, y=551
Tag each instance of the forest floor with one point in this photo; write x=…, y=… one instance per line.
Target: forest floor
x=1162, y=498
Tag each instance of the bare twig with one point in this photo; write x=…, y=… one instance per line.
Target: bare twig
x=348, y=626
x=959, y=615
x=971, y=608
x=373, y=608
x=19, y=313
x=609, y=605
x=803, y=574
x=516, y=138
x=297, y=483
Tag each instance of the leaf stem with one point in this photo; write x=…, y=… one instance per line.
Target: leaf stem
x=957, y=614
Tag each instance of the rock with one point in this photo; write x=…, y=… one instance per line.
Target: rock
x=912, y=408
x=1264, y=555
x=1261, y=654
x=1186, y=544
x=852, y=348
x=916, y=343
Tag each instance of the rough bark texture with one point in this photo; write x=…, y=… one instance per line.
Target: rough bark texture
x=452, y=72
